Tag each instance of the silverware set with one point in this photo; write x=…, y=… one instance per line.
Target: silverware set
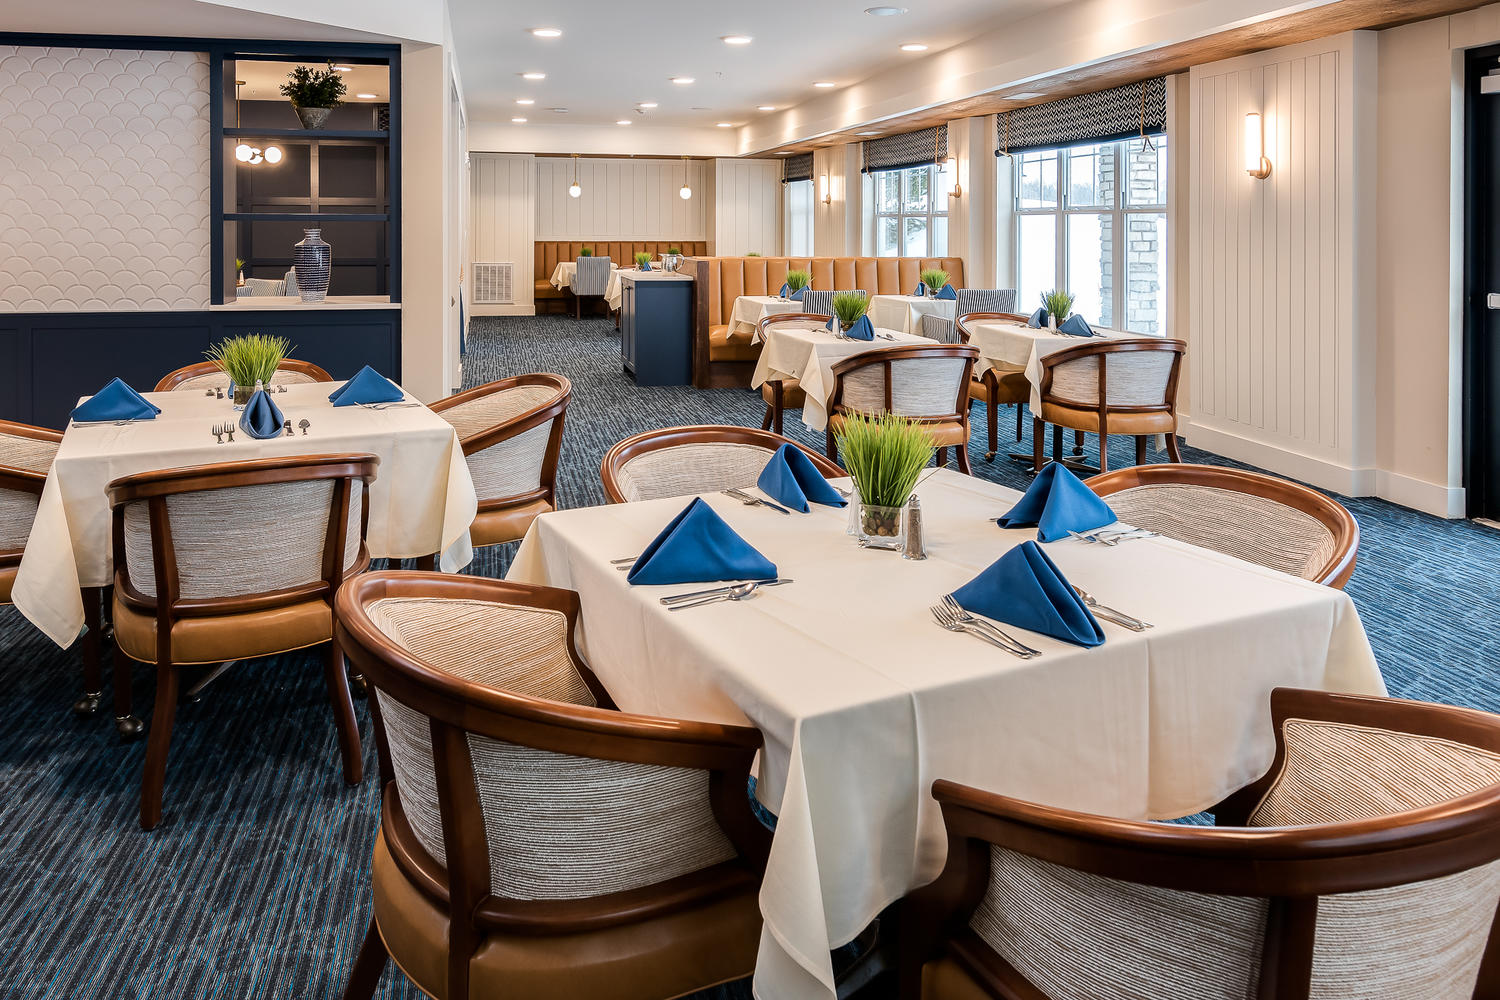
x=1106, y=536
x=219, y=430
x=952, y=616
x=1109, y=614
x=735, y=592
x=388, y=406
x=753, y=501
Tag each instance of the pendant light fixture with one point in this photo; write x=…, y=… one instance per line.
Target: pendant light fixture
x=684, y=192
x=244, y=152
x=573, y=189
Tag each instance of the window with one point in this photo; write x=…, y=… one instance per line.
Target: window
x=911, y=212
x=1093, y=220
x=799, y=218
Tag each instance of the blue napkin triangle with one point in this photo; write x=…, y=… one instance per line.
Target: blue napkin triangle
x=946, y=292
x=367, y=386
x=1024, y=588
x=790, y=478
x=1038, y=319
x=862, y=329
x=699, y=546
x=646, y=266
x=1058, y=502
x=1076, y=326
x=786, y=290
x=262, y=418
x=116, y=401
x=797, y=295
x=920, y=290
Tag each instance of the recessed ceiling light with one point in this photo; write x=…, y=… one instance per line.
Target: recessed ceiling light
x=682, y=79
x=867, y=133
x=344, y=69
x=533, y=75
x=547, y=32
x=698, y=107
x=783, y=152
x=1028, y=95
x=913, y=47
x=736, y=39
x=648, y=104
x=824, y=84
x=623, y=121
x=368, y=97
x=518, y=121
x=885, y=11
x=559, y=111
x=724, y=124
x=524, y=100
x=766, y=107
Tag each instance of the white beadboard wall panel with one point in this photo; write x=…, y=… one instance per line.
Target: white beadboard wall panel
x=503, y=199
x=104, y=180
x=623, y=199
x=747, y=207
x=1280, y=333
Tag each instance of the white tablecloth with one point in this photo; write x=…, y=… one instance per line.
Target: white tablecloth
x=421, y=502
x=749, y=310
x=804, y=350
x=1015, y=345
x=613, y=293
x=566, y=270
x=905, y=312
x=864, y=702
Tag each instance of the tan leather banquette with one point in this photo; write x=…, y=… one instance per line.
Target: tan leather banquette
x=547, y=254
x=721, y=360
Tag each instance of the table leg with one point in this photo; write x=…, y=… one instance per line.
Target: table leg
x=428, y=564
x=93, y=673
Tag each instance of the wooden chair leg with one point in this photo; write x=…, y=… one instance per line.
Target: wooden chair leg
x=1140, y=449
x=368, y=965
x=1172, y=451
x=428, y=563
x=1020, y=411
x=1057, y=435
x=993, y=416
x=942, y=457
x=343, y=714
x=92, y=651
x=1103, y=453
x=126, y=724
x=768, y=419
x=831, y=447
x=1038, y=430
x=154, y=775
x=961, y=456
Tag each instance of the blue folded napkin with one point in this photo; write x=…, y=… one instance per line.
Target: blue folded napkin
x=1038, y=319
x=786, y=291
x=1026, y=589
x=698, y=546
x=116, y=401
x=367, y=386
x=920, y=290
x=646, y=266
x=790, y=478
x=1058, y=502
x=262, y=418
x=862, y=329
x=946, y=292
x=797, y=295
x=1076, y=326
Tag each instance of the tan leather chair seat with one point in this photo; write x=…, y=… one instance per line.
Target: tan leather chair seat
x=1012, y=387
x=1119, y=423
x=945, y=434
x=496, y=526
x=545, y=290
x=793, y=396
x=723, y=347
x=225, y=637
x=945, y=979
x=7, y=580
x=723, y=937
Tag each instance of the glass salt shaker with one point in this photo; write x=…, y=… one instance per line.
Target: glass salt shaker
x=913, y=547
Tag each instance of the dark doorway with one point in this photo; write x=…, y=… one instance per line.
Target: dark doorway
x=1482, y=283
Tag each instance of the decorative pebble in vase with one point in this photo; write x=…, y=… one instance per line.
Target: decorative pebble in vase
x=313, y=260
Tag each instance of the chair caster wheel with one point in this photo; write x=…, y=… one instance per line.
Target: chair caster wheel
x=88, y=704
x=129, y=727
x=989, y=456
x=357, y=686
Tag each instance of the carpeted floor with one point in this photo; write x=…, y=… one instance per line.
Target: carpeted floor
x=256, y=883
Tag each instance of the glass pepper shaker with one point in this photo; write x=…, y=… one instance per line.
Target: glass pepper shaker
x=913, y=548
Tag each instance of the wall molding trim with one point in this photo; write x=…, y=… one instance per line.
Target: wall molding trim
x=1430, y=498
x=1319, y=472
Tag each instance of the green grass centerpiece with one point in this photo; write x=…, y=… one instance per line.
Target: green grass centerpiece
x=885, y=455
x=314, y=93
x=798, y=280
x=248, y=358
x=1059, y=306
x=848, y=307
x=642, y=259
x=934, y=278
x=585, y=251
x=675, y=250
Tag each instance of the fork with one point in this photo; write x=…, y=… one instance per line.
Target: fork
x=229, y=429
x=753, y=501
x=218, y=432
x=1110, y=614
x=962, y=614
x=947, y=620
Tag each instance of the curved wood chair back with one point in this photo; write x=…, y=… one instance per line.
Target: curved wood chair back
x=1303, y=532
x=26, y=453
x=766, y=322
x=963, y=321
x=928, y=383
x=1290, y=907
x=703, y=459
x=477, y=735
x=513, y=461
x=208, y=374
x=1141, y=383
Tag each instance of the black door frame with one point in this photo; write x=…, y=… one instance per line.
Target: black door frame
x=1481, y=398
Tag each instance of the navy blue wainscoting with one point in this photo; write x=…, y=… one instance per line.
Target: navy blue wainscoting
x=48, y=360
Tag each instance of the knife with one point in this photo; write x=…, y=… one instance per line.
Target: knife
x=763, y=502
x=675, y=598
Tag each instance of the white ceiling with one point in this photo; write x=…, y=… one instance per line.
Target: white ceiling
x=616, y=53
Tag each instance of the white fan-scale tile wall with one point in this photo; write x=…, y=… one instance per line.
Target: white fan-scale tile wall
x=104, y=180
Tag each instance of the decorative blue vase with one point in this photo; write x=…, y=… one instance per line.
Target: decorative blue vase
x=313, y=261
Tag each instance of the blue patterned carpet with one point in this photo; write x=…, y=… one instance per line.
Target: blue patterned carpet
x=256, y=883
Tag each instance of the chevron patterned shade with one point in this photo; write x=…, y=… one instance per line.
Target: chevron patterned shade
x=1103, y=116
x=913, y=149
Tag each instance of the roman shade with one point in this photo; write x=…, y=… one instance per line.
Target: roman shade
x=913, y=149
x=1103, y=116
x=797, y=168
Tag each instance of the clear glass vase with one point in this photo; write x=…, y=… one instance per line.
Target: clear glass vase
x=882, y=527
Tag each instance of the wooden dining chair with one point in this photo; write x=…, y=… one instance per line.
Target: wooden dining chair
x=1363, y=864
x=216, y=563
x=781, y=395
x=681, y=461
x=208, y=375
x=590, y=281
x=1262, y=519
x=999, y=384
x=1110, y=387
x=927, y=383
x=511, y=433
x=534, y=840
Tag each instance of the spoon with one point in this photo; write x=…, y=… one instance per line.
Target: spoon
x=737, y=593
x=1111, y=614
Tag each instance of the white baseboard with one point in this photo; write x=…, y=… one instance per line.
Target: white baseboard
x=1418, y=494
x=522, y=309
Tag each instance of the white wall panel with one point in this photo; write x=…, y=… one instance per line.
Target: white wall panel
x=747, y=207
x=503, y=202
x=623, y=199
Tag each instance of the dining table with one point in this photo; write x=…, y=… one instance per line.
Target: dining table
x=421, y=502
x=863, y=701
x=614, y=292
x=1010, y=346
x=905, y=312
x=748, y=310
x=807, y=351
x=566, y=271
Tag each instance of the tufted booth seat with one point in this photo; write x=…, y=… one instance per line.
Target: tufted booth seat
x=720, y=360
x=548, y=253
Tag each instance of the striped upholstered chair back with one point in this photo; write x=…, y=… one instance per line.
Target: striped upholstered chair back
x=208, y=375
x=592, y=277
x=820, y=300
x=511, y=433
x=26, y=455
x=1362, y=864
x=681, y=461
x=970, y=300
x=513, y=783
x=928, y=382
x=1259, y=518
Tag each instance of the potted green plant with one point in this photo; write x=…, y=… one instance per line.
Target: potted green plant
x=798, y=280
x=585, y=251
x=642, y=258
x=1059, y=305
x=934, y=278
x=247, y=359
x=314, y=93
x=848, y=307
x=675, y=250
x=885, y=455
x=239, y=273
x=752, y=253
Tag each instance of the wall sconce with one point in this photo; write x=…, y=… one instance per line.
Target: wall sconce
x=246, y=153
x=1256, y=164
x=950, y=166
x=823, y=194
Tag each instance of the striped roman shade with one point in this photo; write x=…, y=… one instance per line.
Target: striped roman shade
x=1103, y=116
x=797, y=168
x=913, y=149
